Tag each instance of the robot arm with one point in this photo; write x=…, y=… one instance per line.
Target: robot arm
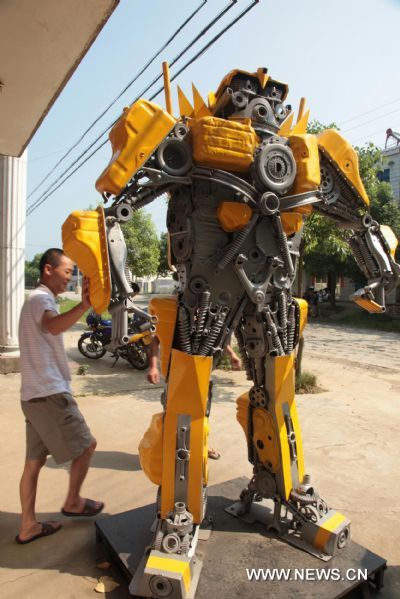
x=345, y=200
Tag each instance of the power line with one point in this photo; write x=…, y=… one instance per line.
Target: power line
x=51, y=189
x=372, y=120
x=141, y=71
x=354, y=118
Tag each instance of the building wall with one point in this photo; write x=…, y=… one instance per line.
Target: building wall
x=391, y=169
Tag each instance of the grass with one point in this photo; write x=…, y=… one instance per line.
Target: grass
x=67, y=304
x=353, y=316
x=307, y=383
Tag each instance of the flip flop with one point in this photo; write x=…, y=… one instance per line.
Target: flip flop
x=213, y=454
x=88, y=511
x=47, y=530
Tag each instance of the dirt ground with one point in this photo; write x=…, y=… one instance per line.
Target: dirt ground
x=350, y=436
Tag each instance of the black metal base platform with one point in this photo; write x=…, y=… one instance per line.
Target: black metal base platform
x=236, y=548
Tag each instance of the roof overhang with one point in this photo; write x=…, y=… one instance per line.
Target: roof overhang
x=41, y=44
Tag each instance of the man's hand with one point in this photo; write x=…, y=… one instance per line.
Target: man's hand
x=153, y=375
x=86, y=293
x=236, y=362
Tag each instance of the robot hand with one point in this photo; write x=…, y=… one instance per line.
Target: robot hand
x=374, y=249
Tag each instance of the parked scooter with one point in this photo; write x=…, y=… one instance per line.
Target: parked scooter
x=93, y=342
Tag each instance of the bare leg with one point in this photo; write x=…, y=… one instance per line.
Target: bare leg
x=79, y=467
x=27, y=488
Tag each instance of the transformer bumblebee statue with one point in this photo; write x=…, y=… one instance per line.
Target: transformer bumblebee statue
x=240, y=178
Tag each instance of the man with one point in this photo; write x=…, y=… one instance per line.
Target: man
x=54, y=424
x=153, y=374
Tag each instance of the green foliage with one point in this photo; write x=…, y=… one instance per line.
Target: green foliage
x=82, y=369
x=163, y=266
x=142, y=244
x=32, y=272
x=316, y=127
x=307, y=383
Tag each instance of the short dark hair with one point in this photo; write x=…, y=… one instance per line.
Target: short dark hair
x=51, y=256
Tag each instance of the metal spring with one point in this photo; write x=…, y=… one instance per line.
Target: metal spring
x=215, y=329
x=234, y=247
x=201, y=319
x=291, y=328
x=283, y=244
x=282, y=314
x=354, y=244
x=276, y=342
x=368, y=259
x=184, y=330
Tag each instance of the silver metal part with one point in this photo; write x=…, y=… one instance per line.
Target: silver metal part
x=274, y=167
x=175, y=156
x=269, y=203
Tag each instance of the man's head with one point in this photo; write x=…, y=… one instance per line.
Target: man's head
x=55, y=270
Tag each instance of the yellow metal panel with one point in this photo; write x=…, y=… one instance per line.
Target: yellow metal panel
x=197, y=467
x=242, y=406
x=306, y=155
x=84, y=241
x=343, y=154
x=326, y=528
x=303, y=305
x=212, y=101
x=134, y=137
x=300, y=127
x=185, y=107
x=167, y=564
x=150, y=449
x=165, y=308
x=286, y=126
x=265, y=440
x=291, y=222
x=188, y=384
x=233, y=216
x=391, y=239
x=168, y=464
x=262, y=76
x=223, y=144
x=280, y=386
x=369, y=305
x=200, y=107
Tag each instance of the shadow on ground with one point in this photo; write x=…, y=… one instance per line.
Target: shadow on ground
x=112, y=460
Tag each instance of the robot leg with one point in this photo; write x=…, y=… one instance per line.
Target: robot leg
x=180, y=444
x=269, y=418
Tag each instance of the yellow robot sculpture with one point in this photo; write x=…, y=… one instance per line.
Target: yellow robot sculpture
x=240, y=178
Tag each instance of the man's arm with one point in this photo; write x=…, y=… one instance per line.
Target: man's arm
x=58, y=323
x=236, y=362
x=153, y=373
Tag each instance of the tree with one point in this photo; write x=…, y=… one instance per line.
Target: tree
x=142, y=244
x=32, y=271
x=163, y=266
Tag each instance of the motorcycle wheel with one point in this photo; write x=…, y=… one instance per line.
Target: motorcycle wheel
x=91, y=348
x=137, y=356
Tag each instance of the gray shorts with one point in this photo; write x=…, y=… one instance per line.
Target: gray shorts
x=54, y=425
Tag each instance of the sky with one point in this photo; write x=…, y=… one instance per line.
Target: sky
x=342, y=56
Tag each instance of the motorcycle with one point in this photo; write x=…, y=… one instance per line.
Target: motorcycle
x=93, y=342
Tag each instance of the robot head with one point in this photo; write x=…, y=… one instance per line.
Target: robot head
x=255, y=96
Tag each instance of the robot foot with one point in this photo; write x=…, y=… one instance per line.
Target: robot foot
x=304, y=520
x=170, y=567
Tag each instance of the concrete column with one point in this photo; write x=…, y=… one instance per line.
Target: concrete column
x=12, y=248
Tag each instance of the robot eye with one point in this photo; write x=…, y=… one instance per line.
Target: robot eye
x=280, y=111
x=261, y=113
x=239, y=100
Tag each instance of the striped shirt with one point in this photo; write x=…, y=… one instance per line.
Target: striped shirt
x=44, y=365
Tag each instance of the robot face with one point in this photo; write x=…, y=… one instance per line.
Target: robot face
x=263, y=106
